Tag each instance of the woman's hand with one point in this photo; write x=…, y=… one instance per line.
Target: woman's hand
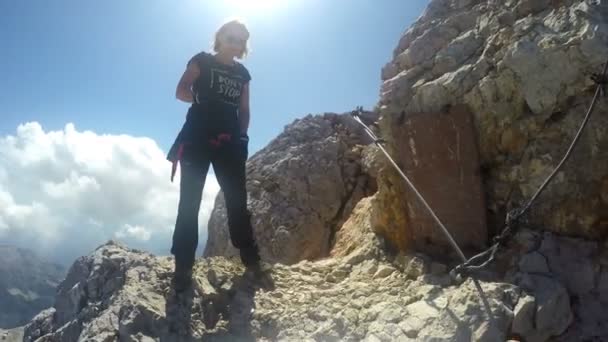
x=184, y=87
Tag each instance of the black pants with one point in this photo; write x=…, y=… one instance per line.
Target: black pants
x=229, y=165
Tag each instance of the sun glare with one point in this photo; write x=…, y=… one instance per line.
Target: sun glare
x=254, y=6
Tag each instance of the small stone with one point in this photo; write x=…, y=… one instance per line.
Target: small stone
x=416, y=267
x=439, y=280
x=354, y=258
x=411, y=326
x=525, y=7
x=383, y=271
x=426, y=290
x=438, y=268
x=402, y=260
x=533, y=263
x=553, y=313
x=372, y=338
x=368, y=267
x=204, y=287
x=350, y=315
x=488, y=333
x=523, y=320
x=423, y=311
x=392, y=313
x=339, y=274
x=527, y=240
x=143, y=338
x=331, y=278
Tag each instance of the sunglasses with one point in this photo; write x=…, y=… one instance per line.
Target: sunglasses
x=234, y=40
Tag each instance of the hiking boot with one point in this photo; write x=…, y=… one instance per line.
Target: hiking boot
x=250, y=256
x=182, y=277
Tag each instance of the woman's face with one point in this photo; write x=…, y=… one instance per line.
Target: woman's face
x=233, y=42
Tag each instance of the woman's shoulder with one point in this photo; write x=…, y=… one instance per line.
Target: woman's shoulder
x=204, y=54
x=243, y=70
x=200, y=58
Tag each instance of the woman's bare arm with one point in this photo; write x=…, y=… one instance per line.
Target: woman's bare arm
x=244, y=109
x=184, y=87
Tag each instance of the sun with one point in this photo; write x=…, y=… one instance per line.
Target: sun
x=254, y=6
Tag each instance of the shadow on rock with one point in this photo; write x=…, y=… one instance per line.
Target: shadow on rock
x=218, y=306
x=179, y=311
x=241, y=301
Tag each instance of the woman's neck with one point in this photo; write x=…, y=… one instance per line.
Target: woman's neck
x=224, y=59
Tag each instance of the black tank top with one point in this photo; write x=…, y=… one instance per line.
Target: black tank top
x=218, y=90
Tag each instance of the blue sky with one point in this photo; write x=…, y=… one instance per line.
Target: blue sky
x=112, y=66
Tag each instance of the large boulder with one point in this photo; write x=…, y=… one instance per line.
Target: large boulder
x=522, y=68
x=302, y=186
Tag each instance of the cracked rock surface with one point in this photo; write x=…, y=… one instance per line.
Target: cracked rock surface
x=119, y=294
x=552, y=288
x=522, y=67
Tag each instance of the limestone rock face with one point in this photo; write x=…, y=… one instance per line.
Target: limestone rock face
x=522, y=67
x=301, y=188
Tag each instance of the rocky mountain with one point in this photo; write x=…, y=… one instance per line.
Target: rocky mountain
x=11, y=335
x=27, y=285
x=522, y=69
x=360, y=293
x=477, y=106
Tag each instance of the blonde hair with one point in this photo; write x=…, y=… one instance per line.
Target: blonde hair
x=235, y=25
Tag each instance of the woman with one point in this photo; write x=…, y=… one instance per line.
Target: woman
x=215, y=132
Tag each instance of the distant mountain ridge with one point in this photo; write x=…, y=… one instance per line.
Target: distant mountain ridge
x=27, y=285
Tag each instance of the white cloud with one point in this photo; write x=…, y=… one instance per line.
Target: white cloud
x=64, y=192
x=137, y=232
